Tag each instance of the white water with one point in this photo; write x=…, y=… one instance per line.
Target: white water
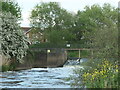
x=37, y=78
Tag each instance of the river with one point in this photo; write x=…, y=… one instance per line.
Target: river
x=37, y=78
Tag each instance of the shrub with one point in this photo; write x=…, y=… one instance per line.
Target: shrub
x=4, y=68
x=104, y=76
x=13, y=41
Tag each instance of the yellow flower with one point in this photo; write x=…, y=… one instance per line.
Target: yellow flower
x=85, y=75
x=116, y=70
x=101, y=72
x=109, y=68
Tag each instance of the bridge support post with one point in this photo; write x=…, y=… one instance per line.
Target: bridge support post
x=79, y=53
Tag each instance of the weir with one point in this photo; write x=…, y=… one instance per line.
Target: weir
x=42, y=58
x=48, y=57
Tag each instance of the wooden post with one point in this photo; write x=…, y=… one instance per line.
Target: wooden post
x=79, y=53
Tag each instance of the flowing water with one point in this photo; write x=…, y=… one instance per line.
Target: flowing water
x=38, y=77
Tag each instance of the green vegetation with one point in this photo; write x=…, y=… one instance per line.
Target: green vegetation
x=52, y=45
x=53, y=27
x=4, y=68
x=10, y=67
x=83, y=53
x=72, y=53
x=104, y=36
x=101, y=34
x=14, y=43
x=12, y=7
x=105, y=75
x=52, y=24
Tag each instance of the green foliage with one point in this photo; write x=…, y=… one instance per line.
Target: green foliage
x=99, y=25
x=105, y=75
x=83, y=53
x=106, y=42
x=55, y=37
x=60, y=37
x=13, y=42
x=54, y=45
x=4, y=68
x=72, y=54
x=10, y=67
x=46, y=45
x=95, y=18
x=12, y=7
x=50, y=16
x=52, y=23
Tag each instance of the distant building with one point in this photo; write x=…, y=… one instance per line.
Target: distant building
x=26, y=30
x=39, y=36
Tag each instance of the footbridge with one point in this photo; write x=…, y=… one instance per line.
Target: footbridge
x=79, y=50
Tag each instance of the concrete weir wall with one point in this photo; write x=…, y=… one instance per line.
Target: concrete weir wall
x=47, y=58
x=56, y=57
x=40, y=60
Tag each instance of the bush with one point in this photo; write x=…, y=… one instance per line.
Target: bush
x=47, y=45
x=4, y=68
x=104, y=76
x=73, y=54
x=54, y=45
x=13, y=41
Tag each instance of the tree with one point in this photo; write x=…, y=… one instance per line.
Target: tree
x=104, y=35
x=50, y=16
x=95, y=18
x=13, y=41
x=101, y=34
x=12, y=7
x=106, y=42
x=60, y=37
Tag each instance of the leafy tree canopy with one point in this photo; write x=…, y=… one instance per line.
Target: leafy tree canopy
x=47, y=17
x=12, y=7
x=95, y=17
x=101, y=32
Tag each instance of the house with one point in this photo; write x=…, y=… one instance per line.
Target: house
x=38, y=36
x=26, y=30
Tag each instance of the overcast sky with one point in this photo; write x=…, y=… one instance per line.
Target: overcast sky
x=70, y=5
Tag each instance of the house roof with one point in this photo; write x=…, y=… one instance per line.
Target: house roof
x=26, y=29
